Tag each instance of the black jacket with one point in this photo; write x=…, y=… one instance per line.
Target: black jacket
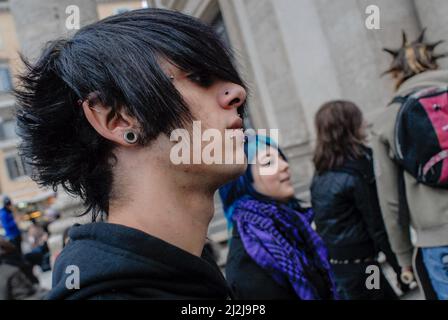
x=248, y=280
x=117, y=262
x=251, y=282
x=348, y=215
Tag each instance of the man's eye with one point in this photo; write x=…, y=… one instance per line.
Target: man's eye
x=202, y=79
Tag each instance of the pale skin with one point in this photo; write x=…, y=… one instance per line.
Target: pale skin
x=277, y=186
x=171, y=202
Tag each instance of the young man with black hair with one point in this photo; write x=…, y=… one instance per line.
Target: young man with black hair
x=95, y=114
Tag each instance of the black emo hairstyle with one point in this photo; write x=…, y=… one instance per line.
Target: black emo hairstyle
x=115, y=61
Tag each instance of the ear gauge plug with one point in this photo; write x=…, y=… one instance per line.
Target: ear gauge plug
x=130, y=137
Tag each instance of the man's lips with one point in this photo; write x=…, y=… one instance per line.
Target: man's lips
x=236, y=129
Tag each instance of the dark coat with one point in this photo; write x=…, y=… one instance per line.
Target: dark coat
x=117, y=262
x=248, y=280
x=348, y=215
x=15, y=285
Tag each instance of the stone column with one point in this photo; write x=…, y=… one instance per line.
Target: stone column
x=335, y=56
x=274, y=103
x=332, y=55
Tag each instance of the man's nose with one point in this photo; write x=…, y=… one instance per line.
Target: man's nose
x=232, y=95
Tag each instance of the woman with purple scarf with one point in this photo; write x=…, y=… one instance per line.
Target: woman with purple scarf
x=273, y=253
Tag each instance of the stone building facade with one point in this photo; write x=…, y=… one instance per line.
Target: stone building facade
x=294, y=54
x=14, y=179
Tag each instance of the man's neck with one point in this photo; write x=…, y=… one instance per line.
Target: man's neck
x=162, y=204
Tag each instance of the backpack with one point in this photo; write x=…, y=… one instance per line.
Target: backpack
x=421, y=136
x=421, y=141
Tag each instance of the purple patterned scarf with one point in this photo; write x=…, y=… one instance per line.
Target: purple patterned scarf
x=281, y=241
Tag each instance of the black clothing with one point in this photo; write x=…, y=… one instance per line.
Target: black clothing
x=348, y=215
x=117, y=262
x=15, y=259
x=248, y=280
x=251, y=282
x=349, y=220
x=351, y=288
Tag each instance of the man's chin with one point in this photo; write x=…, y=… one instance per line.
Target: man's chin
x=231, y=172
x=241, y=168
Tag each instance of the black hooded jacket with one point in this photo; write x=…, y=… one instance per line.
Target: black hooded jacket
x=117, y=262
x=348, y=216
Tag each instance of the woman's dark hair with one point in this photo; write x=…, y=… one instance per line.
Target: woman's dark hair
x=339, y=135
x=114, y=61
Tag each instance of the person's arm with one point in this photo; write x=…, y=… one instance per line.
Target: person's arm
x=372, y=219
x=386, y=180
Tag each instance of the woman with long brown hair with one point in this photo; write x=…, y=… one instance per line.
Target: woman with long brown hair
x=343, y=191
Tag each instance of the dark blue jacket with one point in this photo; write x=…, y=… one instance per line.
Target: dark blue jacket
x=117, y=262
x=8, y=223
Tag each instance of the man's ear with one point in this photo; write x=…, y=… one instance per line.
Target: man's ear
x=111, y=127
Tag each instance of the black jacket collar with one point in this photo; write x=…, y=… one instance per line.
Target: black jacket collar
x=117, y=262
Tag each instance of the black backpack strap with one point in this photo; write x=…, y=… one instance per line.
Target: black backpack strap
x=403, y=207
x=402, y=99
x=398, y=99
